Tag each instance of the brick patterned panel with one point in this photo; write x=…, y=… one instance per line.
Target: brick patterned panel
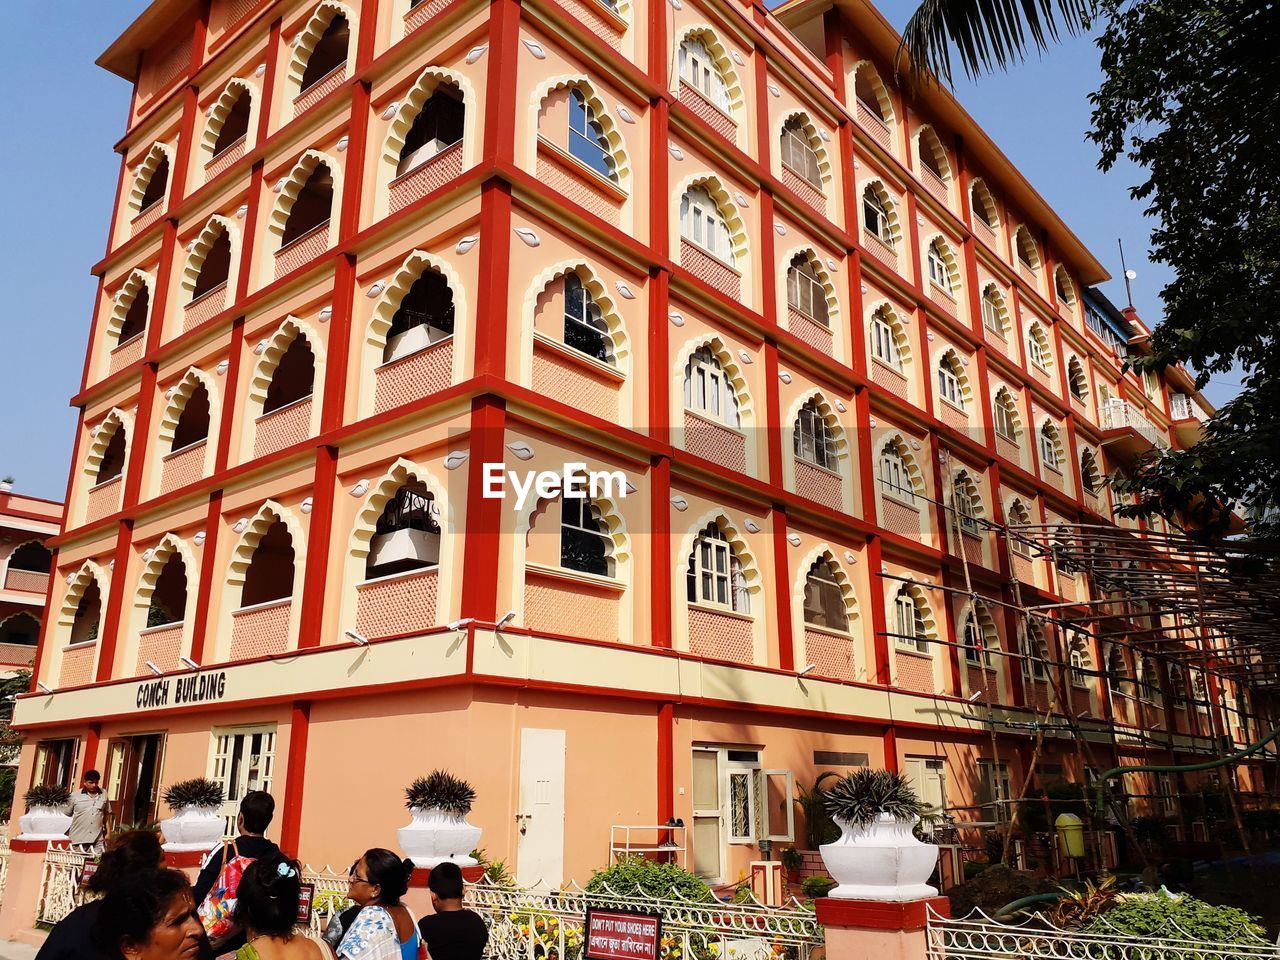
x=1026, y=273
x=413, y=377
x=878, y=129
x=206, y=308
x=563, y=380
x=708, y=112
x=996, y=340
x=985, y=680
x=1051, y=477
x=162, y=646
x=282, y=428
x=146, y=218
x=900, y=518
x=422, y=13
x=887, y=378
x=880, y=250
x=935, y=184
x=720, y=635
x=571, y=610
x=913, y=672
x=1080, y=702
x=175, y=62
x=104, y=500
x=953, y=418
x=1042, y=376
x=17, y=654
x=397, y=605
x=260, y=631
x=805, y=190
x=713, y=442
x=1008, y=449
x=709, y=270
x=182, y=468
x=579, y=189
x=1091, y=501
x=302, y=251
x=819, y=485
x=1025, y=568
x=126, y=353
x=984, y=233
x=972, y=547
x=943, y=299
x=832, y=653
x=1040, y=695
x=810, y=331
x=435, y=173
x=595, y=22
x=29, y=581
x=237, y=10
x=1068, y=589
x=320, y=89
x=77, y=666
x=224, y=160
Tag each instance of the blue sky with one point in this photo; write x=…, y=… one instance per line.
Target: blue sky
x=64, y=175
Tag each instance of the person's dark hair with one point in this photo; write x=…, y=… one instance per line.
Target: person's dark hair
x=257, y=808
x=390, y=873
x=128, y=853
x=131, y=911
x=91, y=775
x=446, y=881
x=267, y=898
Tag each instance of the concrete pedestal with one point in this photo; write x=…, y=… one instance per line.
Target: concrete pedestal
x=22, y=889
x=418, y=899
x=878, y=930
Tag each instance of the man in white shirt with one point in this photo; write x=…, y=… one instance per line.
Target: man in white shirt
x=88, y=814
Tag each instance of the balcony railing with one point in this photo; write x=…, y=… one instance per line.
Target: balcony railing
x=1118, y=414
x=1184, y=409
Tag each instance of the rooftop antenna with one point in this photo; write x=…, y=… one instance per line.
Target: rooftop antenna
x=1129, y=275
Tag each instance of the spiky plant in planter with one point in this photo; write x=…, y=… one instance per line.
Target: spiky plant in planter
x=863, y=795
x=199, y=792
x=440, y=789
x=47, y=796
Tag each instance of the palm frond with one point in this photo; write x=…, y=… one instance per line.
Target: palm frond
x=986, y=34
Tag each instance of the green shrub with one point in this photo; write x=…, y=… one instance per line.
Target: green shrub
x=440, y=789
x=51, y=795
x=791, y=859
x=863, y=795
x=817, y=886
x=1159, y=916
x=638, y=876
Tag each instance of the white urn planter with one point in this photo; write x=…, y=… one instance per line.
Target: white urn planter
x=44, y=823
x=193, y=828
x=881, y=861
x=435, y=836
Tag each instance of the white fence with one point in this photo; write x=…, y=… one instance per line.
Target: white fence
x=60, y=890
x=980, y=938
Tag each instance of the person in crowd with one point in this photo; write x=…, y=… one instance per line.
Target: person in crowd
x=151, y=917
x=384, y=929
x=88, y=814
x=267, y=910
x=452, y=932
x=216, y=886
x=128, y=854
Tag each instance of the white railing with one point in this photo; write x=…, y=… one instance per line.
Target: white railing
x=1184, y=409
x=60, y=890
x=4, y=860
x=978, y=937
x=330, y=896
x=530, y=924
x=1121, y=413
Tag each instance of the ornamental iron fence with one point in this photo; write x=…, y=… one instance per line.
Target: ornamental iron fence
x=60, y=889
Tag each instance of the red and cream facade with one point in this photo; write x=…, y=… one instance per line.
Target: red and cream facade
x=25, y=524
x=608, y=698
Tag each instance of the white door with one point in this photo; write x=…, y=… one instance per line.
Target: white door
x=540, y=815
x=928, y=779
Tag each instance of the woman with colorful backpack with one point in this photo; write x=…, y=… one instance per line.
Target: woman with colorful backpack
x=267, y=911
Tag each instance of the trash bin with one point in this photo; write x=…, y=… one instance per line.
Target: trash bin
x=1070, y=835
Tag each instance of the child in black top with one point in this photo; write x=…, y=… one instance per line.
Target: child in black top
x=452, y=932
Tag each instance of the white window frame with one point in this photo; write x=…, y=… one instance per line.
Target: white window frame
x=991, y=313
x=698, y=68
x=1049, y=455
x=708, y=392
x=814, y=443
x=220, y=760
x=895, y=476
x=884, y=343
x=811, y=172
x=800, y=283
x=1004, y=416
x=949, y=388
x=905, y=617
x=964, y=503
x=939, y=275
x=706, y=570
x=975, y=646
x=880, y=210
x=702, y=224
x=1037, y=352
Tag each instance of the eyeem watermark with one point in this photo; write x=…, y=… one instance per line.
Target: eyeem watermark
x=574, y=480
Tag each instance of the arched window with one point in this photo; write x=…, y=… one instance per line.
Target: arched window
x=1038, y=346
x=813, y=438
x=31, y=557
x=135, y=318
x=329, y=53
x=438, y=126
x=1005, y=413
x=908, y=621
x=425, y=317
x=112, y=463
x=293, y=378
x=715, y=573
x=983, y=205
x=939, y=270
x=1078, y=656
x=994, y=314
x=88, y=615
x=215, y=267
x=886, y=338
x=702, y=224
x=699, y=69
x=1036, y=656
x=157, y=184
x=1065, y=289
x=235, y=122
x=1076, y=379
x=193, y=422
x=585, y=542
x=707, y=390
x=1177, y=684
x=871, y=94
x=877, y=213
x=805, y=291
x=1149, y=680
x=824, y=604
x=798, y=154
x=977, y=641
x=585, y=328
x=951, y=380
x=1028, y=253
x=895, y=474
x=932, y=155
x=1050, y=446
x=407, y=535
x=966, y=501
x=1117, y=670
x=269, y=576
x=586, y=137
x=1019, y=516
x=1088, y=471
x=312, y=207
x=169, y=598
x=21, y=629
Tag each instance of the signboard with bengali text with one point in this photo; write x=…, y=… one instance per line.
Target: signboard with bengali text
x=622, y=935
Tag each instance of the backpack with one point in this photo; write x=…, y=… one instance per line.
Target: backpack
x=217, y=910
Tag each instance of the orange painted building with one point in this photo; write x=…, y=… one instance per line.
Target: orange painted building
x=362, y=250
x=25, y=524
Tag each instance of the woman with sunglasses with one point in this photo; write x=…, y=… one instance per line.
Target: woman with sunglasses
x=383, y=929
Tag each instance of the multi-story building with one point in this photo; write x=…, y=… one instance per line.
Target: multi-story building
x=25, y=524
x=362, y=252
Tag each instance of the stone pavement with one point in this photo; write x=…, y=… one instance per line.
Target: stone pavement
x=16, y=951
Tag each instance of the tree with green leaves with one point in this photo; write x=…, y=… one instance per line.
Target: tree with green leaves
x=1191, y=93
x=10, y=741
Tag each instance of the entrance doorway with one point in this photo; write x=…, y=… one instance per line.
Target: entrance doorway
x=134, y=767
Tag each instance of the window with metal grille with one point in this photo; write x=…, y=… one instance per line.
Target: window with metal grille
x=798, y=154
x=813, y=439
x=586, y=137
x=715, y=574
x=824, y=604
x=805, y=291
x=702, y=224
x=243, y=760
x=585, y=543
x=584, y=327
x=707, y=390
